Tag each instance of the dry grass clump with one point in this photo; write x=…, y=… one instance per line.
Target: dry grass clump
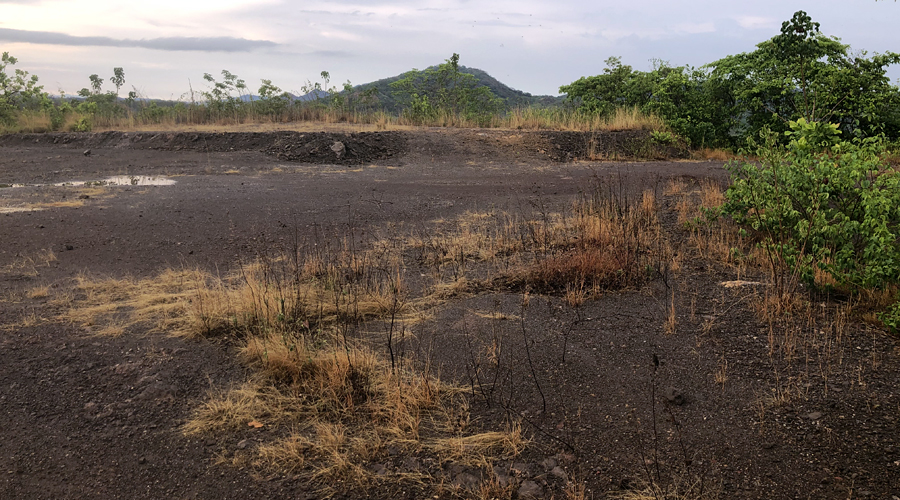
x=334, y=408
x=608, y=243
x=160, y=303
x=679, y=489
x=28, y=265
x=606, y=240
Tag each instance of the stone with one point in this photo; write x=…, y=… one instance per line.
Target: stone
x=530, y=490
x=816, y=415
x=674, y=396
x=338, y=148
x=466, y=481
x=560, y=473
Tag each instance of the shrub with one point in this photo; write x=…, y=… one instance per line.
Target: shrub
x=826, y=209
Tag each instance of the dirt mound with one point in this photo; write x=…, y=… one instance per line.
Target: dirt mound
x=312, y=147
x=612, y=145
x=369, y=147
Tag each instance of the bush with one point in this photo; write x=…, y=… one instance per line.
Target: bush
x=824, y=210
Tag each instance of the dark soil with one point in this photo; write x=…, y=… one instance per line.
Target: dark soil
x=99, y=417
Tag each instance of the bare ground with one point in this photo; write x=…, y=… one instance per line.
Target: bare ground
x=89, y=416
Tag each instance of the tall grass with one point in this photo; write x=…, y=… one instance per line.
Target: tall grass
x=190, y=116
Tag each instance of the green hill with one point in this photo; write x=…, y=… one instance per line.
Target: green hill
x=384, y=97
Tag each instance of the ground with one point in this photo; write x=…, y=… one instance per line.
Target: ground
x=610, y=399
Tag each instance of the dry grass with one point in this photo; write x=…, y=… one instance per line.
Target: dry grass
x=195, y=118
x=160, y=303
x=678, y=489
x=29, y=265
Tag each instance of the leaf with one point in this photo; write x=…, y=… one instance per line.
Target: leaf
x=255, y=424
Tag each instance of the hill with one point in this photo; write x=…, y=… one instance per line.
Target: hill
x=384, y=96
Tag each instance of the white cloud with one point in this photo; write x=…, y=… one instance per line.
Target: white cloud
x=533, y=45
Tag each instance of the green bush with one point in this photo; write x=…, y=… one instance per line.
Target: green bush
x=828, y=206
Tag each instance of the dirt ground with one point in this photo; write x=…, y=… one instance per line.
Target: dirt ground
x=609, y=399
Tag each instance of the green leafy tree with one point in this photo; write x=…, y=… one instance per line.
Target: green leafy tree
x=118, y=79
x=18, y=90
x=225, y=97
x=272, y=100
x=445, y=90
x=694, y=106
x=802, y=73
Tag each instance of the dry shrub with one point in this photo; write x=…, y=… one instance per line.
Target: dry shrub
x=606, y=244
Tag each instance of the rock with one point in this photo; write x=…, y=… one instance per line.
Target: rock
x=560, y=473
x=87, y=152
x=339, y=148
x=410, y=464
x=816, y=415
x=674, y=396
x=549, y=463
x=243, y=444
x=503, y=480
x=530, y=490
x=522, y=469
x=466, y=481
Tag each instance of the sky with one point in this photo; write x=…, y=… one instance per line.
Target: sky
x=165, y=46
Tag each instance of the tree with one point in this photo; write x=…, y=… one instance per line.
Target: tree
x=445, y=90
x=695, y=107
x=802, y=73
x=17, y=91
x=118, y=78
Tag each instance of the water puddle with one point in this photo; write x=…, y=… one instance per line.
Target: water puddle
x=116, y=180
x=12, y=210
x=125, y=180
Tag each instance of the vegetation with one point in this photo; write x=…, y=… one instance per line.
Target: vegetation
x=800, y=73
x=828, y=211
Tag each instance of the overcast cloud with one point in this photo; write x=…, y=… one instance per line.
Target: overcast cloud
x=532, y=45
x=208, y=44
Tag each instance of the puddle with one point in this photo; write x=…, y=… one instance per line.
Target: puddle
x=125, y=180
x=116, y=180
x=12, y=210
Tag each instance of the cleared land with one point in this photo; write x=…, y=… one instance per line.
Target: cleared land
x=522, y=322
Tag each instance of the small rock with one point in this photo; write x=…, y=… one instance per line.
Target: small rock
x=816, y=415
x=466, y=481
x=338, y=148
x=243, y=444
x=674, y=396
x=87, y=152
x=549, y=463
x=521, y=469
x=530, y=490
x=411, y=464
x=560, y=473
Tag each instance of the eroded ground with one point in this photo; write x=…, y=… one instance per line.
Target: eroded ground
x=734, y=408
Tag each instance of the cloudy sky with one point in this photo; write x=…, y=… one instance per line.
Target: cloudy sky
x=165, y=46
